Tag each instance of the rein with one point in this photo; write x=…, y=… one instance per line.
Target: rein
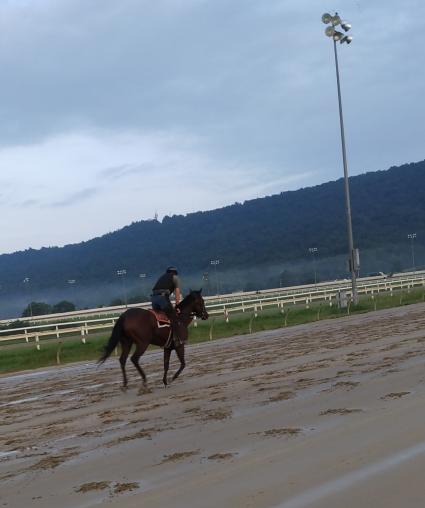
x=189, y=314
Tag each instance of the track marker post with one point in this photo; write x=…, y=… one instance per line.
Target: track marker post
x=58, y=353
x=318, y=311
x=286, y=317
x=254, y=315
x=211, y=328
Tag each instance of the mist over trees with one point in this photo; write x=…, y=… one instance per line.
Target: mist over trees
x=42, y=308
x=274, y=231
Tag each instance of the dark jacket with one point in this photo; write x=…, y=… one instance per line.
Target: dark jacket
x=167, y=282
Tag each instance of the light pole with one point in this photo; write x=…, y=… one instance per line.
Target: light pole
x=313, y=251
x=142, y=277
x=71, y=283
x=215, y=263
x=122, y=273
x=353, y=255
x=411, y=237
x=206, y=279
x=26, y=282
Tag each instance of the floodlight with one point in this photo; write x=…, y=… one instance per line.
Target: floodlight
x=345, y=26
x=336, y=20
x=337, y=36
x=330, y=31
x=347, y=38
x=326, y=18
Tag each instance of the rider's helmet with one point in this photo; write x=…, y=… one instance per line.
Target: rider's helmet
x=172, y=269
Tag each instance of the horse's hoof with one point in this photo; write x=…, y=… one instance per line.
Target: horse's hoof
x=124, y=388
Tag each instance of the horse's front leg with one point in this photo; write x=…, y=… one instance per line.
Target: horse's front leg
x=167, y=354
x=180, y=355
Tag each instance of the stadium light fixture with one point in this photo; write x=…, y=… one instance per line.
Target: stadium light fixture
x=122, y=273
x=353, y=258
x=411, y=237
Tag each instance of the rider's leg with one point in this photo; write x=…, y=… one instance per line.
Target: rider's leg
x=176, y=327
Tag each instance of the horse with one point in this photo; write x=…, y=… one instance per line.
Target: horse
x=140, y=327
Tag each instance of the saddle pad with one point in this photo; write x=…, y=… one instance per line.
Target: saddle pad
x=160, y=316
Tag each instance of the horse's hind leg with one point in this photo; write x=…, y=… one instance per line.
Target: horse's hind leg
x=125, y=350
x=180, y=355
x=135, y=357
x=167, y=354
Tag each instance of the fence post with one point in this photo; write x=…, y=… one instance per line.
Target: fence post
x=37, y=342
x=26, y=335
x=195, y=322
x=255, y=311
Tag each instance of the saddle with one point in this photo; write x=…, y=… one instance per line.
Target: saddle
x=162, y=319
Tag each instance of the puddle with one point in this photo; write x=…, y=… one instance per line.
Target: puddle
x=20, y=401
x=7, y=454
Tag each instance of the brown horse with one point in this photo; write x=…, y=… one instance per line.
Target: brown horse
x=140, y=327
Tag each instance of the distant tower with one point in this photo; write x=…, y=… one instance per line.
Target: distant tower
x=155, y=217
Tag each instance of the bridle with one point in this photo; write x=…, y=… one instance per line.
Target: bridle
x=201, y=314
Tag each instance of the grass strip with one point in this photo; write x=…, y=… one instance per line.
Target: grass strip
x=18, y=357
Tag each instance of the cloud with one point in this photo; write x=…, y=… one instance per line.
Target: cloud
x=29, y=202
x=75, y=198
x=187, y=104
x=124, y=170
x=165, y=172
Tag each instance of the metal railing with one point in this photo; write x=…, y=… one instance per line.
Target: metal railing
x=217, y=306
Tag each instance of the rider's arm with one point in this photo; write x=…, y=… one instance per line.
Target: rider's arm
x=177, y=294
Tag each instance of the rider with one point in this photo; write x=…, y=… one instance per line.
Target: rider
x=165, y=286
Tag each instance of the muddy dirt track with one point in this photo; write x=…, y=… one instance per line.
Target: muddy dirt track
x=323, y=415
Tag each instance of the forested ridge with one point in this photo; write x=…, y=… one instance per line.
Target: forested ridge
x=386, y=206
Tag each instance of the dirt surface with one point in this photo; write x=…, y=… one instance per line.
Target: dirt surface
x=323, y=415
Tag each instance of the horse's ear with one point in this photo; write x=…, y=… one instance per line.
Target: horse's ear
x=190, y=291
x=200, y=291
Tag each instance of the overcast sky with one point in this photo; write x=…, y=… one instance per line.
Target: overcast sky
x=112, y=110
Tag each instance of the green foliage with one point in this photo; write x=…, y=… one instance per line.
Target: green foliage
x=36, y=309
x=63, y=306
x=276, y=229
x=25, y=356
x=116, y=301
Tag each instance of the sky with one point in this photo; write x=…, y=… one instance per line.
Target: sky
x=112, y=111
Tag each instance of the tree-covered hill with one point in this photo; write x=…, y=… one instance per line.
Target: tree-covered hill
x=386, y=205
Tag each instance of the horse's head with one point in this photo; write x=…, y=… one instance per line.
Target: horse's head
x=198, y=304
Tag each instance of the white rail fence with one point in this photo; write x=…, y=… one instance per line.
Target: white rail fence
x=223, y=306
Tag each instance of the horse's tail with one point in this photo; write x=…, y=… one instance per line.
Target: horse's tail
x=117, y=333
